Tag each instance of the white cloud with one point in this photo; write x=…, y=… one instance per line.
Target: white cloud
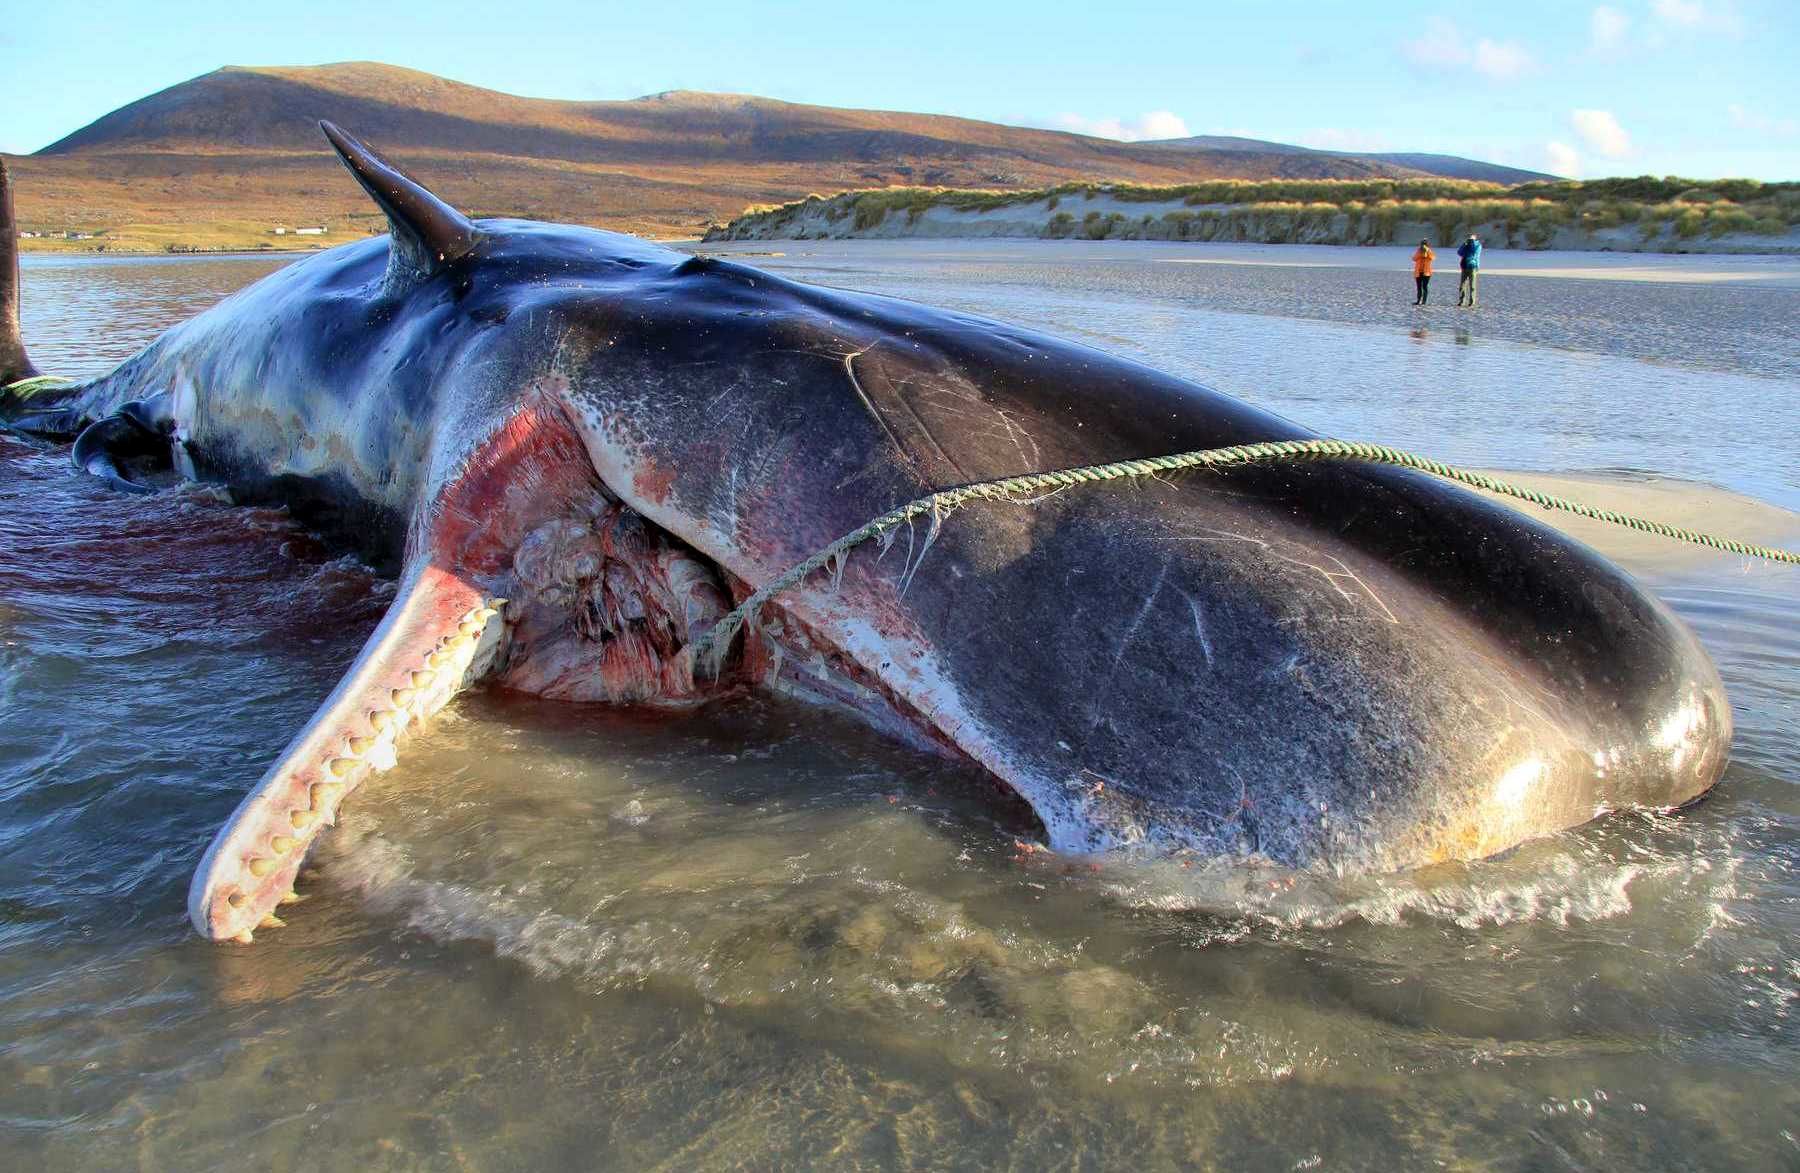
x=1155, y=124
x=1601, y=132
x=1562, y=159
x=1608, y=26
x=1679, y=11
x=1331, y=138
x=1501, y=60
x=1443, y=46
x=1719, y=16
x=1759, y=122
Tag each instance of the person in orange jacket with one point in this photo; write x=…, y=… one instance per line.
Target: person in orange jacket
x=1422, y=259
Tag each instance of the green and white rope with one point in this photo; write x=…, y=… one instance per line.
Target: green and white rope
x=722, y=633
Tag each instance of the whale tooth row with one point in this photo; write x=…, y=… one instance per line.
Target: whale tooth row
x=358, y=750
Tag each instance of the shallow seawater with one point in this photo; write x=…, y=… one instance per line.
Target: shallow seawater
x=562, y=937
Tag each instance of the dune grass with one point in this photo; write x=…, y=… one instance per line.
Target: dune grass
x=1362, y=211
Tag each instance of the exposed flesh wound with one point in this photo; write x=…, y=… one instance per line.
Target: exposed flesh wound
x=606, y=608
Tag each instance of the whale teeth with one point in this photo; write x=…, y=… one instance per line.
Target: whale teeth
x=271, y=921
x=471, y=628
x=360, y=745
x=282, y=844
x=422, y=679
x=291, y=897
x=303, y=819
x=244, y=938
x=236, y=899
x=496, y=604
x=260, y=866
x=325, y=793
x=341, y=767
x=403, y=696
x=380, y=719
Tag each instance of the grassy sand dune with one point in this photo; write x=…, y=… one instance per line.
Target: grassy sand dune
x=1646, y=214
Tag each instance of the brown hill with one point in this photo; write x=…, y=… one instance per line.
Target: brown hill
x=237, y=151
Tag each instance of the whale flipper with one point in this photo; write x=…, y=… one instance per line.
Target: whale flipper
x=105, y=448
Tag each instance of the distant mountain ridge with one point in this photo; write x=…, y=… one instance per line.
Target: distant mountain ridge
x=241, y=145
x=1416, y=162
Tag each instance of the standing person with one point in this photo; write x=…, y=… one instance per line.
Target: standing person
x=1470, y=255
x=1422, y=259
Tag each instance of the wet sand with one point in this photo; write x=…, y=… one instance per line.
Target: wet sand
x=1772, y=271
x=1704, y=508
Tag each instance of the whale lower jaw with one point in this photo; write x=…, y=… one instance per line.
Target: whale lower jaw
x=440, y=633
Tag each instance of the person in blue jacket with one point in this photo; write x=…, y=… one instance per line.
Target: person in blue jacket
x=1469, y=253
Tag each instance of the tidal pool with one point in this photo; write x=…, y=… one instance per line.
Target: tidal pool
x=761, y=936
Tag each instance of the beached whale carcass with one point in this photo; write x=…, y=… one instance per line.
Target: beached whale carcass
x=1327, y=665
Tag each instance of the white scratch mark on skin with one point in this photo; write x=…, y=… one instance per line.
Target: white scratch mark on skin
x=1332, y=577
x=849, y=362
x=866, y=470
x=727, y=510
x=955, y=408
x=1137, y=620
x=1199, y=626
x=954, y=402
x=1013, y=434
x=733, y=395
x=856, y=383
x=560, y=352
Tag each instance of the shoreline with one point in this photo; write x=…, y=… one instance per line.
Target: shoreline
x=1750, y=270
x=29, y=249
x=1779, y=270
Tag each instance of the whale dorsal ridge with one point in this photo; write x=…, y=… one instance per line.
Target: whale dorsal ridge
x=427, y=232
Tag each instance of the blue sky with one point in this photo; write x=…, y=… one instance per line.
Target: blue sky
x=1695, y=87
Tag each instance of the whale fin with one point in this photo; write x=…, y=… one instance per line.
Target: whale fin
x=15, y=364
x=440, y=633
x=105, y=446
x=428, y=234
